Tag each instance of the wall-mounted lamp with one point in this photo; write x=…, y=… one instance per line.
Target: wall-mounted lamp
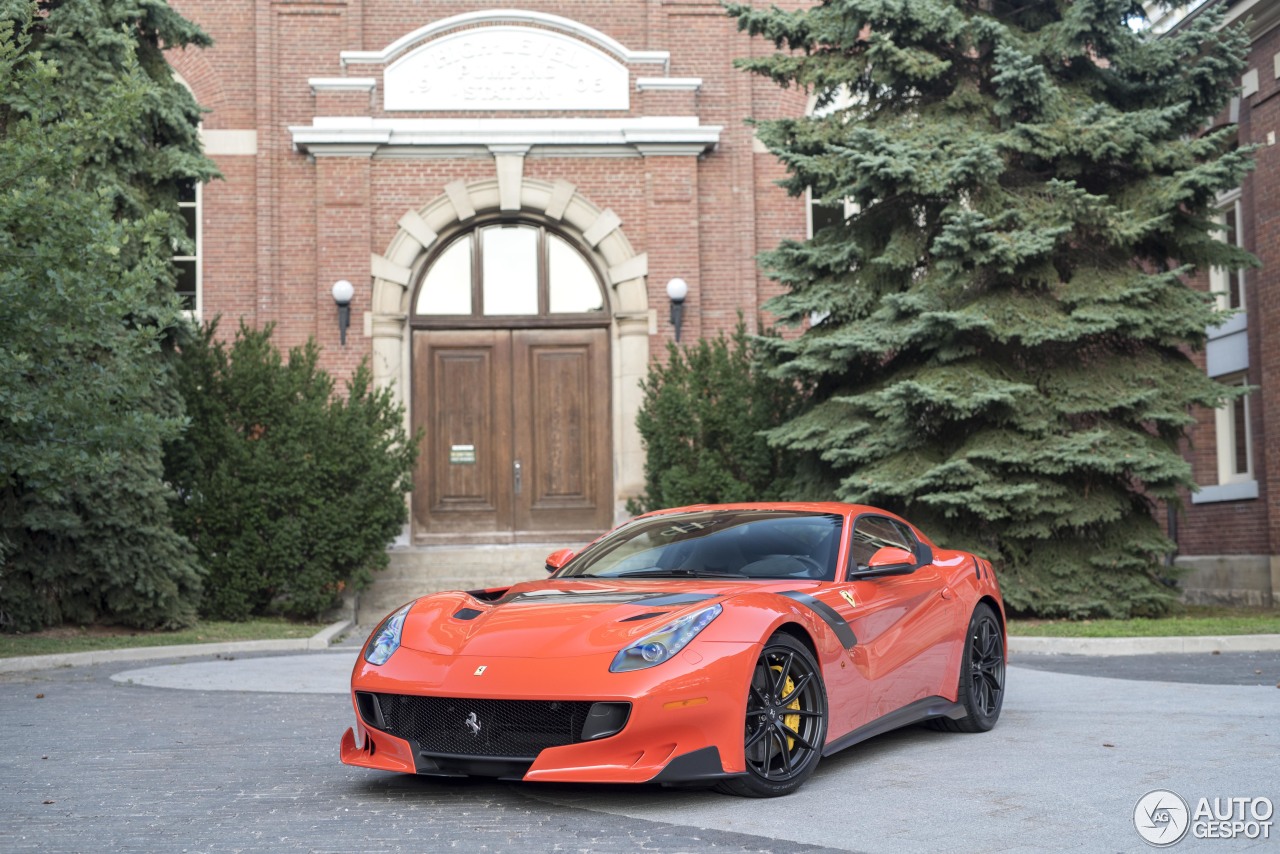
x=343, y=291
x=677, y=290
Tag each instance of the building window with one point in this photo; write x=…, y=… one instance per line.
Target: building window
x=822, y=216
x=1234, y=437
x=190, y=192
x=509, y=270
x=1227, y=286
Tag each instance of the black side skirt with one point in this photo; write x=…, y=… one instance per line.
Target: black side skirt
x=914, y=713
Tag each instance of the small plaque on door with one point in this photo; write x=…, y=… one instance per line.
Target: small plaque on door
x=462, y=455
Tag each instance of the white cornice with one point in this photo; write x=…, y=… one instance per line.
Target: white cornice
x=342, y=84
x=644, y=136
x=668, y=84
x=505, y=16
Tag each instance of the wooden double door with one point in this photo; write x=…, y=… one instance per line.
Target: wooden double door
x=516, y=434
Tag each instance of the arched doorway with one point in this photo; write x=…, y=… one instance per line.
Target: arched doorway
x=510, y=372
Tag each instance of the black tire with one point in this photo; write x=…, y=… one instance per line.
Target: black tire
x=786, y=721
x=981, y=689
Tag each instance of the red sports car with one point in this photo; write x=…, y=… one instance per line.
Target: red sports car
x=732, y=645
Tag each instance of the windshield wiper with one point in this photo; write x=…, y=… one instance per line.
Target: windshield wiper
x=679, y=572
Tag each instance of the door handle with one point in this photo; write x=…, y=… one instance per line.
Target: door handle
x=519, y=476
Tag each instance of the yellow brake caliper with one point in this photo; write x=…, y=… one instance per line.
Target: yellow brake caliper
x=792, y=722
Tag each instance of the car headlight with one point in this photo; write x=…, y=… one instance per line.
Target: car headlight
x=657, y=647
x=386, y=639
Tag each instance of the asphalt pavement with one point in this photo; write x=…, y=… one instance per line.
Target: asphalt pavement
x=239, y=753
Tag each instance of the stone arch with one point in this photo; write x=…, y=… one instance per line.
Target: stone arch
x=600, y=231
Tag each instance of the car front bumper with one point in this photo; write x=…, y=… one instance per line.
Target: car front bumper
x=686, y=720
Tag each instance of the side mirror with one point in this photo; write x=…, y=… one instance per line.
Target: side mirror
x=558, y=558
x=889, y=561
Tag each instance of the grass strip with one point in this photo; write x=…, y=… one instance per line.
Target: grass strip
x=1194, y=621
x=88, y=638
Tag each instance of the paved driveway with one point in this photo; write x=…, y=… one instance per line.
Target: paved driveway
x=241, y=755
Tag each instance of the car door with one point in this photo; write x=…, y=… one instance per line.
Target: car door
x=904, y=624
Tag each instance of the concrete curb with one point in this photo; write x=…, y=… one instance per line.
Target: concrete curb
x=1018, y=645
x=320, y=640
x=1023, y=645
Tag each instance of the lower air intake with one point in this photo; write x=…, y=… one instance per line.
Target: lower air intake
x=516, y=729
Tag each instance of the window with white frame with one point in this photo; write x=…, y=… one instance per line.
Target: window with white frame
x=1234, y=436
x=190, y=192
x=1227, y=286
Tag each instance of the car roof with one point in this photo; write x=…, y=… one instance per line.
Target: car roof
x=835, y=507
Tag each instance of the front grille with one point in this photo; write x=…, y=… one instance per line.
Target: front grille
x=508, y=728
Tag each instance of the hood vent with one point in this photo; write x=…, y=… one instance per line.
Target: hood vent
x=644, y=616
x=488, y=595
x=467, y=614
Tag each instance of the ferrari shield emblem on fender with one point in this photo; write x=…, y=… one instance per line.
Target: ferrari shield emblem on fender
x=480, y=670
x=473, y=723
x=848, y=597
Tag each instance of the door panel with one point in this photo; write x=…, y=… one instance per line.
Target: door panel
x=906, y=634
x=462, y=399
x=908, y=630
x=517, y=431
x=562, y=429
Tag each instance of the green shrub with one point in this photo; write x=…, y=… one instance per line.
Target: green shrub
x=289, y=492
x=702, y=423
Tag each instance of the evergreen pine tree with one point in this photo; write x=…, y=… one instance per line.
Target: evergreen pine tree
x=1003, y=349
x=95, y=135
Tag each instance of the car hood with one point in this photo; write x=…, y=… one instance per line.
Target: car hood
x=568, y=617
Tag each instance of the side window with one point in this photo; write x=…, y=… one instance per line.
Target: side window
x=872, y=533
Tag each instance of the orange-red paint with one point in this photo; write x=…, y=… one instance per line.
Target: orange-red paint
x=910, y=632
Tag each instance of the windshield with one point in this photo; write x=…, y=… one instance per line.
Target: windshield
x=717, y=544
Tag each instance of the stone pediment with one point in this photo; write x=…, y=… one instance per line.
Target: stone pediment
x=505, y=60
x=506, y=68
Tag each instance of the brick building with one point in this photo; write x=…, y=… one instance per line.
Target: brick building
x=509, y=191
x=1229, y=533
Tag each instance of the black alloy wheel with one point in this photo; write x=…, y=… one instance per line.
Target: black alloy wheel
x=982, y=672
x=786, y=721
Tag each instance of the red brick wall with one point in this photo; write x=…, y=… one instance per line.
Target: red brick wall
x=1249, y=526
x=280, y=228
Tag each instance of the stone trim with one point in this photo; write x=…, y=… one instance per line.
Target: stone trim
x=416, y=227
x=1244, y=490
x=393, y=273
x=613, y=137
x=602, y=227
x=229, y=142
x=506, y=16
x=668, y=84
x=510, y=175
x=460, y=199
x=342, y=84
